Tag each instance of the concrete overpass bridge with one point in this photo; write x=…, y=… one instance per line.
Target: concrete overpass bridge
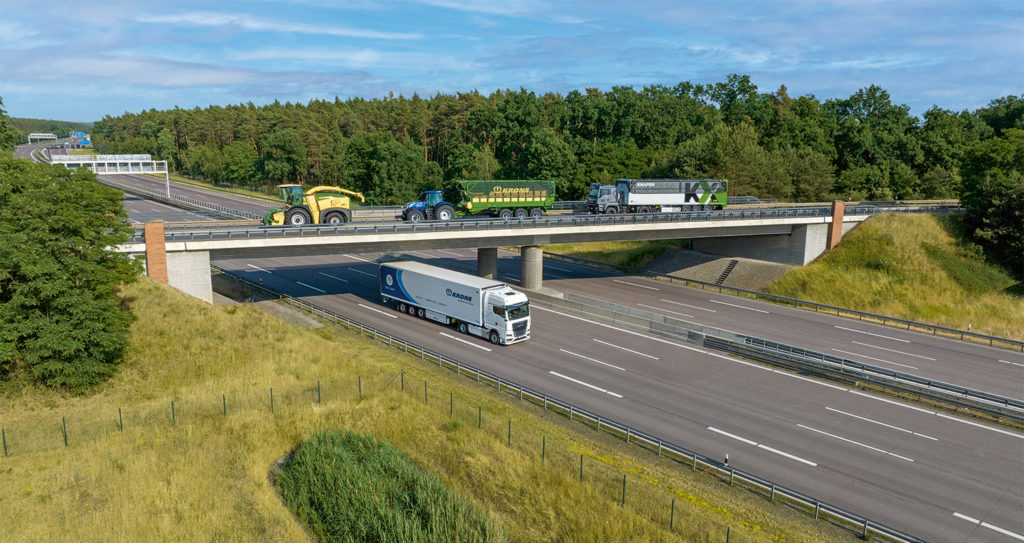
x=181, y=257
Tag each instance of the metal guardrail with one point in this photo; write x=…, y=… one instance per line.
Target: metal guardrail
x=650, y=443
x=527, y=223
x=934, y=329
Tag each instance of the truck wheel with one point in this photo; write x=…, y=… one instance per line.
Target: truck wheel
x=610, y=211
x=505, y=213
x=463, y=328
x=643, y=209
x=494, y=337
x=444, y=213
x=297, y=217
x=414, y=215
x=536, y=212
x=401, y=307
x=335, y=217
x=521, y=213
x=420, y=312
x=412, y=311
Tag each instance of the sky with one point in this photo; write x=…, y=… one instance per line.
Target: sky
x=80, y=61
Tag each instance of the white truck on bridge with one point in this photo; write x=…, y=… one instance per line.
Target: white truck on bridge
x=473, y=305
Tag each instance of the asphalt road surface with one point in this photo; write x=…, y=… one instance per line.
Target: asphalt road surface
x=930, y=474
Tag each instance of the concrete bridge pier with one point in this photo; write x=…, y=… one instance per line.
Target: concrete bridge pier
x=487, y=262
x=531, y=267
x=187, y=271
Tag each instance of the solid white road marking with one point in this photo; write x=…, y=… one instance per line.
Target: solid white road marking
x=635, y=285
x=357, y=258
x=1014, y=363
x=870, y=333
x=448, y=252
x=763, y=446
x=588, y=385
x=333, y=277
x=873, y=358
x=385, y=313
x=892, y=350
x=691, y=306
x=808, y=379
x=312, y=287
x=950, y=417
x=666, y=310
x=260, y=269
x=553, y=276
x=901, y=404
x=557, y=268
x=841, y=438
x=739, y=306
x=360, y=271
x=881, y=423
x=625, y=349
x=592, y=359
x=989, y=526
x=470, y=343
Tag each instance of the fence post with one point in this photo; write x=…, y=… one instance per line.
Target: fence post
x=424, y=391
x=403, y=380
x=479, y=417
x=543, y=447
x=3, y=433
x=581, y=467
x=864, y=535
x=360, y=377
x=623, y=489
x=120, y=419
x=64, y=425
x=271, y=399
x=174, y=420
x=318, y=392
x=728, y=533
x=451, y=403
x=509, y=431
x=672, y=515
x=817, y=507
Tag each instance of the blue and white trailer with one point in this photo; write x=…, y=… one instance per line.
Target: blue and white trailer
x=473, y=305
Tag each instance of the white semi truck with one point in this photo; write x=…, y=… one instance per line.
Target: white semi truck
x=657, y=195
x=473, y=305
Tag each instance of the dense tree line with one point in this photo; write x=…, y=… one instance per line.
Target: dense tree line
x=61, y=129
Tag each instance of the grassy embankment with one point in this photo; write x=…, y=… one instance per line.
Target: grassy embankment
x=913, y=267
x=204, y=476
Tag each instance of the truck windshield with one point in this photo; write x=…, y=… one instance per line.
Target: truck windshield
x=518, y=311
x=593, y=192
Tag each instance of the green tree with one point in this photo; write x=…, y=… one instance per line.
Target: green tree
x=240, y=163
x=60, y=320
x=387, y=171
x=8, y=135
x=284, y=156
x=993, y=194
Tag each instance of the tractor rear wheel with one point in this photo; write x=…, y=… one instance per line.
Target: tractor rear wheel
x=444, y=213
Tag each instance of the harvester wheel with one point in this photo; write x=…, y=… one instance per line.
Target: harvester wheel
x=297, y=217
x=335, y=217
x=505, y=213
x=444, y=213
x=521, y=213
x=536, y=212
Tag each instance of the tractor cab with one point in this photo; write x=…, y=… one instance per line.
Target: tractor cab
x=292, y=194
x=432, y=198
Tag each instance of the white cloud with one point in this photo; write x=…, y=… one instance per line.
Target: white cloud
x=358, y=58
x=199, y=18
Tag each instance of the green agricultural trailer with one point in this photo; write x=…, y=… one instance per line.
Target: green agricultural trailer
x=503, y=198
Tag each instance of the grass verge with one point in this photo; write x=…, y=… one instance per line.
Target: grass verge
x=179, y=444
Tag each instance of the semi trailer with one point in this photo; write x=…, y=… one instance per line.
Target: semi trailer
x=472, y=305
x=503, y=199
x=657, y=195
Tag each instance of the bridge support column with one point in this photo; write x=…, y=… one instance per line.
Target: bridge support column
x=804, y=244
x=835, y=228
x=188, y=272
x=531, y=267
x=487, y=262
x=156, y=253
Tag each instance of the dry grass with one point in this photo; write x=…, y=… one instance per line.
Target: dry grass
x=206, y=476
x=912, y=267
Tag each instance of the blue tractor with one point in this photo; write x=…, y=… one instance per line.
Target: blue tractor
x=430, y=206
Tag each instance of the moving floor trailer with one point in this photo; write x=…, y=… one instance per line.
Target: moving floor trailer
x=473, y=305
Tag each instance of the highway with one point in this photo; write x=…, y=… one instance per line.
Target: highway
x=905, y=466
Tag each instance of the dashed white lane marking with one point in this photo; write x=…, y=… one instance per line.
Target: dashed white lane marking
x=945, y=416
x=557, y=268
x=350, y=268
x=666, y=310
x=690, y=306
x=625, y=349
x=808, y=379
x=763, y=446
x=892, y=350
x=634, y=284
x=553, y=276
x=312, y=287
x=260, y=269
x=873, y=358
x=993, y=527
x=841, y=438
x=893, y=402
x=645, y=336
x=592, y=359
x=358, y=258
x=1014, y=363
x=333, y=277
x=448, y=252
x=385, y=313
x=881, y=423
x=470, y=343
x=870, y=333
x=739, y=306
x=588, y=385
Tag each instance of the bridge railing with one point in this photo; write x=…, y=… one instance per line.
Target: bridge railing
x=799, y=501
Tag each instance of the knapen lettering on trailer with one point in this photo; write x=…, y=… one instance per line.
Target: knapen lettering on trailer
x=458, y=295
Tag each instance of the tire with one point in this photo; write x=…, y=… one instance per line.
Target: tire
x=401, y=307
x=505, y=213
x=297, y=217
x=420, y=312
x=494, y=337
x=521, y=213
x=444, y=213
x=536, y=212
x=463, y=328
x=643, y=209
x=335, y=217
x=610, y=211
x=414, y=215
x=411, y=311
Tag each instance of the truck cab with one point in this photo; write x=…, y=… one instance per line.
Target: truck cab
x=507, y=310
x=430, y=206
x=602, y=198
